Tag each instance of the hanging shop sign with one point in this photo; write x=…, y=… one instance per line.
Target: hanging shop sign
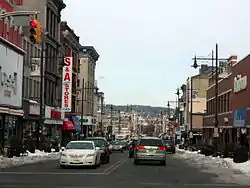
x=240, y=83
x=67, y=84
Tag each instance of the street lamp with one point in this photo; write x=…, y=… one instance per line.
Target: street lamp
x=195, y=65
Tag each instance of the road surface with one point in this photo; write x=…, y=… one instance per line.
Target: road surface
x=120, y=173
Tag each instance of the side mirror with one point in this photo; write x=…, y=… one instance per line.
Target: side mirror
x=62, y=148
x=97, y=148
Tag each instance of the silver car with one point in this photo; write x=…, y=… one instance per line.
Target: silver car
x=150, y=149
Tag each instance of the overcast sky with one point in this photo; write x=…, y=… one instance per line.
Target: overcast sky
x=146, y=46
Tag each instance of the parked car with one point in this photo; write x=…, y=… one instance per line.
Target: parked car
x=117, y=146
x=132, y=145
x=80, y=153
x=150, y=149
x=103, y=144
x=170, y=147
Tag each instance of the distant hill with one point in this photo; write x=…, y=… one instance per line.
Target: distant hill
x=139, y=108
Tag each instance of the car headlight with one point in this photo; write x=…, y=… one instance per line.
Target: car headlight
x=120, y=146
x=91, y=155
x=63, y=155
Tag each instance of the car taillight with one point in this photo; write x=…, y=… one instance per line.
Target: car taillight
x=140, y=147
x=161, y=148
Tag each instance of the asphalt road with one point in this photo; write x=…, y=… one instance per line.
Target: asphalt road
x=119, y=173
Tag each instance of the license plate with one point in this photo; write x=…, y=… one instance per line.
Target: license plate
x=76, y=161
x=150, y=151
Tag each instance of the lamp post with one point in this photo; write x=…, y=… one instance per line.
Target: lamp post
x=178, y=105
x=195, y=65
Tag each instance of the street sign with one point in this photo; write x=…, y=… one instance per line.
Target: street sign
x=84, y=120
x=115, y=119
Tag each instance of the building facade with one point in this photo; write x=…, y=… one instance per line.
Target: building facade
x=50, y=18
x=11, y=73
x=87, y=86
x=98, y=111
x=227, y=134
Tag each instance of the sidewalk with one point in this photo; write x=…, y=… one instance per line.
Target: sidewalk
x=215, y=161
x=36, y=157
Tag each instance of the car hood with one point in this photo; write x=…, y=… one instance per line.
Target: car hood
x=78, y=151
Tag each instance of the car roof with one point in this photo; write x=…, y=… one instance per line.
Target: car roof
x=81, y=141
x=95, y=138
x=150, y=137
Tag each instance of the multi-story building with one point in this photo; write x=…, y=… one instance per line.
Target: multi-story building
x=233, y=104
x=98, y=110
x=50, y=14
x=194, y=101
x=87, y=87
x=11, y=73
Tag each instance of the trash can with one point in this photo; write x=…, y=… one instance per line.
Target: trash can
x=240, y=155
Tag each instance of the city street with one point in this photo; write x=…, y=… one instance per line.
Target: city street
x=121, y=173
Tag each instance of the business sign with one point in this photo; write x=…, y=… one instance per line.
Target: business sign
x=240, y=83
x=67, y=84
x=11, y=77
x=239, y=117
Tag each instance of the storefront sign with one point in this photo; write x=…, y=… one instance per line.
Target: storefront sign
x=240, y=83
x=67, y=84
x=11, y=74
x=55, y=114
x=239, y=117
x=34, y=109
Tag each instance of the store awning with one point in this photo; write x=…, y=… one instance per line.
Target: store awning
x=68, y=126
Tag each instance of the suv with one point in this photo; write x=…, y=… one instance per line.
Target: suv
x=103, y=144
x=150, y=149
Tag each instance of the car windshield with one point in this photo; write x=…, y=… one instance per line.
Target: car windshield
x=151, y=142
x=98, y=142
x=116, y=142
x=80, y=145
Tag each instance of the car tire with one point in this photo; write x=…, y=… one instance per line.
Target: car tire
x=130, y=155
x=173, y=152
x=121, y=151
x=108, y=159
x=136, y=162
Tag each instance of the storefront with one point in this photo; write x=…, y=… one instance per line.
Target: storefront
x=11, y=74
x=31, y=118
x=53, y=122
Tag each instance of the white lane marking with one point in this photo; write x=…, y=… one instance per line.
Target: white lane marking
x=51, y=173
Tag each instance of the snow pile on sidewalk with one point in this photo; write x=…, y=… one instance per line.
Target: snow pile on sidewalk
x=38, y=156
x=217, y=162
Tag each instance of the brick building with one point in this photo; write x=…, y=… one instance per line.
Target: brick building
x=232, y=102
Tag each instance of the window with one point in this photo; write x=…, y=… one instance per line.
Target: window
x=78, y=83
x=151, y=142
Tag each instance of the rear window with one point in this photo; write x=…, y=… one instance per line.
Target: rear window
x=168, y=141
x=151, y=142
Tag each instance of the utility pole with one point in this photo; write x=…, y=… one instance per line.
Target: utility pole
x=82, y=108
x=119, y=116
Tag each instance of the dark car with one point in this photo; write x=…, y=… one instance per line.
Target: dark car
x=170, y=146
x=117, y=146
x=103, y=144
x=132, y=145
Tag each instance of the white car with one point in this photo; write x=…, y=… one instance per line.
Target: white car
x=80, y=153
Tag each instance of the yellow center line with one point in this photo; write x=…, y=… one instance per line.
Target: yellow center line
x=112, y=166
x=115, y=167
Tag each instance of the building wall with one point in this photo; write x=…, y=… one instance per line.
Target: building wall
x=225, y=85
x=200, y=84
x=50, y=22
x=88, y=58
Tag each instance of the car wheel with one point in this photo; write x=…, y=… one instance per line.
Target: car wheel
x=130, y=155
x=136, y=162
x=173, y=152
x=121, y=151
x=108, y=159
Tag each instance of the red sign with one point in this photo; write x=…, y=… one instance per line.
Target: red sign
x=55, y=114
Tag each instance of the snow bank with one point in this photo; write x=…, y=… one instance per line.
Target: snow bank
x=214, y=161
x=38, y=156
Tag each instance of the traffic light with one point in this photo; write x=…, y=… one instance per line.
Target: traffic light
x=35, y=31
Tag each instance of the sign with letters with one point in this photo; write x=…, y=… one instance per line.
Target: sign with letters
x=240, y=83
x=67, y=84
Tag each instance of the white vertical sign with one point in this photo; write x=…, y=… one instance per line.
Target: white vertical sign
x=67, y=84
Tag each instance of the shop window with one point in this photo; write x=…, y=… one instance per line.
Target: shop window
x=10, y=127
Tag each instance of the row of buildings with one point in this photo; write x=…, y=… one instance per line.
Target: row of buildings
x=198, y=104
x=20, y=68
